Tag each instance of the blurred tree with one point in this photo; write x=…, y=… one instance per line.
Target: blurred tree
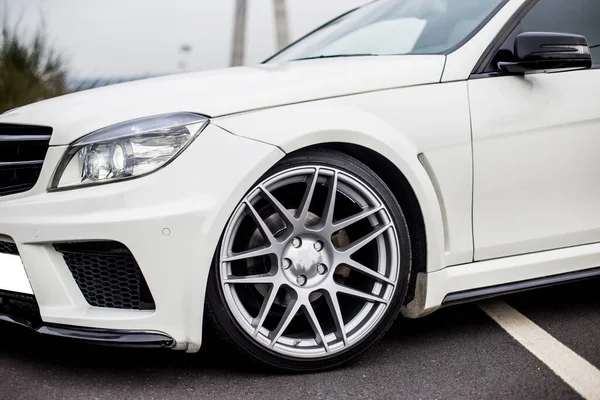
x=29, y=70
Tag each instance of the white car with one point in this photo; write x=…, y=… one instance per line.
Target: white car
x=408, y=155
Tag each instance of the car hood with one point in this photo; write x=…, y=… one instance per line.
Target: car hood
x=221, y=92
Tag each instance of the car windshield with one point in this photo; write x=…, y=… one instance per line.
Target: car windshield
x=393, y=27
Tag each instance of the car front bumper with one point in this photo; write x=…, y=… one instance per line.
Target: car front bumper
x=171, y=221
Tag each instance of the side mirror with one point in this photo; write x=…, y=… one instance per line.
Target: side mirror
x=539, y=51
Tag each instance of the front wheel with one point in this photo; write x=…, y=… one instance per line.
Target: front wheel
x=313, y=264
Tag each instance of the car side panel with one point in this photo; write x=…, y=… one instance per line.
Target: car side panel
x=537, y=157
x=423, y=130
x=491, y=273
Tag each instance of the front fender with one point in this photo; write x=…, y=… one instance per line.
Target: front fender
x=298, y=126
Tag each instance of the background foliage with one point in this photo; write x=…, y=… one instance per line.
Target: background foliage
x=30, y=70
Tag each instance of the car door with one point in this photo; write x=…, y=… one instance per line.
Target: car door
x=536, y=143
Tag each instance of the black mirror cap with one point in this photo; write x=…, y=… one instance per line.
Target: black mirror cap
x=538, y=51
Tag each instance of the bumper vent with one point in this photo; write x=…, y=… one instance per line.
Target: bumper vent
x=22, y=152
x=107, y=275
x=8, y=248
x=20, y=307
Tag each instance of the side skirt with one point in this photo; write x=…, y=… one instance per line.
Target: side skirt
x=499, y=290
x=488, y=278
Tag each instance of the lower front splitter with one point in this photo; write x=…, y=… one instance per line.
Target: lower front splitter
x=106, y=337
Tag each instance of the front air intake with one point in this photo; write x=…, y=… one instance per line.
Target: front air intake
x=107, y=275
x=8, y=248
x=22, y=152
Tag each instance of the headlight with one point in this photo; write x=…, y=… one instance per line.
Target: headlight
x=127, y=150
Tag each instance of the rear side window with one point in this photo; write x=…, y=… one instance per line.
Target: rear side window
x=581, y=17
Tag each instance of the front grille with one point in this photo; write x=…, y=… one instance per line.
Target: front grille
x=8, y=248
x=107, y=275
x=22, y=152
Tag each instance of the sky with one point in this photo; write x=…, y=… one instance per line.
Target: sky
x=123, y=38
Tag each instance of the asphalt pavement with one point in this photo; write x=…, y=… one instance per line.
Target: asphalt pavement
x=456, y=353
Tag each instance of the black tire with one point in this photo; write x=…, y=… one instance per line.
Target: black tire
x=224, y=325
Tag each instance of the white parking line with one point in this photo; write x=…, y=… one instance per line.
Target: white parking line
x=582, y=376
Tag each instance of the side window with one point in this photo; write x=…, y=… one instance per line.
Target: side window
x=580, y=17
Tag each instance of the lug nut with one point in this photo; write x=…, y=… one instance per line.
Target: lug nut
x=318, y=245
x=321, y=269
x=301, y=280
x=296, y=242
x=286, y=263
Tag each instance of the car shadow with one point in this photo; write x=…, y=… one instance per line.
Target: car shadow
x=28, y=347
x=44, y=353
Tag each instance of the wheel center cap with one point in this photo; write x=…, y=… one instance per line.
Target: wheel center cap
x=305, y=261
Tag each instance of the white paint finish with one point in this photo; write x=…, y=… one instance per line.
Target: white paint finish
x=188, y=197
x=225, y=91
x=399, y=125
x=12, y=275
x=537, y=158
x=461, y=62
x=451, y=174
x=445, y=142
x=430, y=117
x=508, y=270
x=578, y=373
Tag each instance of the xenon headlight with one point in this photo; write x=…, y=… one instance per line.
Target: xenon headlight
x=127, y=150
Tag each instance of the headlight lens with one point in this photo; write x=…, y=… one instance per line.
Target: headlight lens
x=127, y=150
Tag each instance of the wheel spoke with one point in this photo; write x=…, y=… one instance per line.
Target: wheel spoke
x=256, y=252
x=249, y=279
x=316, y=325
x=362, y=242
x=330, y=201
x=362, y=295
x=288, y=316
x=280, y=208
x=336, y=312
x=367, y=271
x=341, y=224
x=265, y=308
x=307, y=199
x=267, y=234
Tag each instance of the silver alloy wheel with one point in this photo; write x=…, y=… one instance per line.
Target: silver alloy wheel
x=330, y=258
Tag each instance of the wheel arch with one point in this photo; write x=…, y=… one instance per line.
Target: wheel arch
x=392, y=154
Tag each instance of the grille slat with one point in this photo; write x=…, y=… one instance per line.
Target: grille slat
x=107, y=275
x=21, y=163
x=24, y=138
x=22, y=154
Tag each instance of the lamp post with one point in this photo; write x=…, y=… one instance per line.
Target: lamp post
x=239, y=29
x=239, y=33
x=185, y=50
x=281, y=24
